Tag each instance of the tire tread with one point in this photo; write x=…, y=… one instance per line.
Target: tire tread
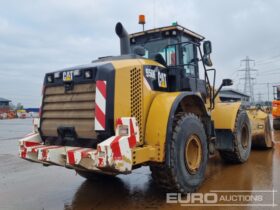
x=164, y=175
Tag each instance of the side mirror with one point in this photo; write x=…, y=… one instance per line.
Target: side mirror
x=207, y=48
x=227, y=82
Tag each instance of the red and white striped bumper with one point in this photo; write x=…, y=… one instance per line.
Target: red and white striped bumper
x=113, y=154
x=100, y=105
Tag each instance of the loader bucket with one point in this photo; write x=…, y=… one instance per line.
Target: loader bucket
x=262, y=128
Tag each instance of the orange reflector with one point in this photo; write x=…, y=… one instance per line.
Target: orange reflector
x=142, y=19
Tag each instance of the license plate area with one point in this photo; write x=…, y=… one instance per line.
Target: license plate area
x=67, y=133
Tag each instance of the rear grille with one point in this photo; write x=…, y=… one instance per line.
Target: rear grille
x=73, y=108
x=136, y=98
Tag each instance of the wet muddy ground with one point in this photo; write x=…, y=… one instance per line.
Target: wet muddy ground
x=25, y=185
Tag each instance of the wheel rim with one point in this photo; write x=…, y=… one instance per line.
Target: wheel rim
x=193, y=154
x=244, y=137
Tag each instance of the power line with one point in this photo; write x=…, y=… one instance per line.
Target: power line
x=269, y=74
x=265, y=83
x=272, y=70
x=268, y=84
x=271, y=58
x=269, y=63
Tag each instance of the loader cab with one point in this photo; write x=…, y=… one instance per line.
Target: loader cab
x=177, y=49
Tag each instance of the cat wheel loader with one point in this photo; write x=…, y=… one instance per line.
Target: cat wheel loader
x=145, y=107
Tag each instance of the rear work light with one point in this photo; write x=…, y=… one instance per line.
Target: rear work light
x=50, y=78
x=88, y=74
x=57, y=75
x=77, y=73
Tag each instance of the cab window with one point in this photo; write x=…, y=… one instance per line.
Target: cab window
x=188, y=59
x=169, y=55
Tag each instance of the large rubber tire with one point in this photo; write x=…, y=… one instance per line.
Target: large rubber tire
x=176, y=176
x=264, y=141
x=276, y=124
x=242, y=140
x=94, y=175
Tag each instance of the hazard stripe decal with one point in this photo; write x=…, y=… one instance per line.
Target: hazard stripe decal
x=71, y=155
x=23, y=153
x=132, y=138
x=115, y=146
x=45, y=151
x=101, y=87
x=100, y=117
x=85, y=153
x=30, y=144
x=100, y=105
x=35, y=149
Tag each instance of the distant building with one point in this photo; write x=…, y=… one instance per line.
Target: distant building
x=32, y=112
x=233, y=95
x=32, y=109
x=4, y=103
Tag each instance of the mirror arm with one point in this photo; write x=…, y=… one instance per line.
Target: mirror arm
x=212, y=90
x=226, y=82
x=218, y=91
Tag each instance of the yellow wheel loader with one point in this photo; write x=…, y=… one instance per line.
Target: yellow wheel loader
x=147, y=106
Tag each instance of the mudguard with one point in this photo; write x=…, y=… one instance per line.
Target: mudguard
x=224, y=115
x=160, y=119
x=157, y=122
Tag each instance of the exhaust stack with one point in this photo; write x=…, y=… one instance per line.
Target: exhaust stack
x=124, y=40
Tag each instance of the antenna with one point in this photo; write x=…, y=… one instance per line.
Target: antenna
x=154, y=13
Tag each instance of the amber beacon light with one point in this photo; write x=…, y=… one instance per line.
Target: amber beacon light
x=142, y=21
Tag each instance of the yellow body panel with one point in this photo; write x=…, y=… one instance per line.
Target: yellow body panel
x=155, y=109
x=224, y=115
x=123, y=105
x=148, y=94
x=122, y=87
x=144, y=154
x=124, y=90
x=156, y=126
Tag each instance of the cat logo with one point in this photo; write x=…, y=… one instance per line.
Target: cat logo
x=67, y=76
x=162, y=80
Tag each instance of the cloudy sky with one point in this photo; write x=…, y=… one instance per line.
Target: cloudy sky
x=39, y=36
